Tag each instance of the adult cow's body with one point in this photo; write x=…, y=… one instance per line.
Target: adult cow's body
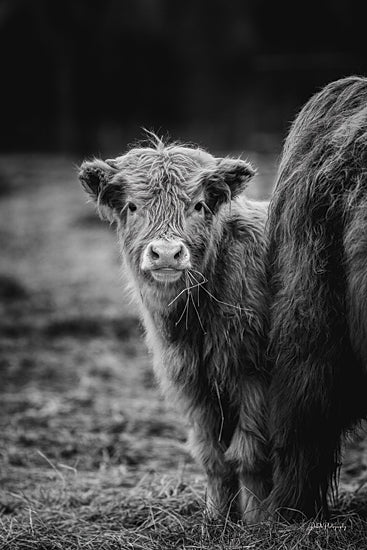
x=317, y=264
x=194, y=254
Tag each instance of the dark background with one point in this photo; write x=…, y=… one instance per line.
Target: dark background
x=85, y=76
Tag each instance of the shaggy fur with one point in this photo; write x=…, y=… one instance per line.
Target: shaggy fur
x=206, y=330
x=317, y=261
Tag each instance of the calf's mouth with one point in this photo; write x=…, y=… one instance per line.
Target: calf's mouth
x=166, y=274
x=166, y=260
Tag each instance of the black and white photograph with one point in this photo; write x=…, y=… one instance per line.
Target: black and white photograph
x=183, y=275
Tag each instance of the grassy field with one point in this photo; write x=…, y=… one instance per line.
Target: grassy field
x=91, y=457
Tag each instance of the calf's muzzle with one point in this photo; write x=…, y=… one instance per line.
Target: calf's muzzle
x=163, y=255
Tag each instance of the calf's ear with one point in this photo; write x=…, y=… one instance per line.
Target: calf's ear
x=98, y=179
x=226, y=181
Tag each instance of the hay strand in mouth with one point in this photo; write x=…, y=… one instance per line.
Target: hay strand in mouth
x=192, y=282
x=204, y=281
x=184, y=310
x=196, y=308
x=188, y=302
x=186, y=289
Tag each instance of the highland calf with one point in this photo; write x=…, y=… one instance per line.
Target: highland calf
x=317, y=267
x=193, y=248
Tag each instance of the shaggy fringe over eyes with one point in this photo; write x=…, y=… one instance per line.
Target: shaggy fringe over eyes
x=176, y=169
x=224, y=178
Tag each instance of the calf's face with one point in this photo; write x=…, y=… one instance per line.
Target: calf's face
x=166, y=202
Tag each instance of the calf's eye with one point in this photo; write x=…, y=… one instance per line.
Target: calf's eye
x=132, y=207
x=199, y=206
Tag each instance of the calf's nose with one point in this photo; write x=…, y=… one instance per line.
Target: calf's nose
x=164, y=253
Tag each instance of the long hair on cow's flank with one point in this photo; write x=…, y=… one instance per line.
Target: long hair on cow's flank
x=317, y=377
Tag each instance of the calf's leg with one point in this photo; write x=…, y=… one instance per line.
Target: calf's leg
x=248, y=451
x=222, y=477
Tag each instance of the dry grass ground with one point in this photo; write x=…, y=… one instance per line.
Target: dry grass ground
x=90, y=455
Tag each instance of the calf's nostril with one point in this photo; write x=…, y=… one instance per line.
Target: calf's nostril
x=178, y=254
x=154, y=254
